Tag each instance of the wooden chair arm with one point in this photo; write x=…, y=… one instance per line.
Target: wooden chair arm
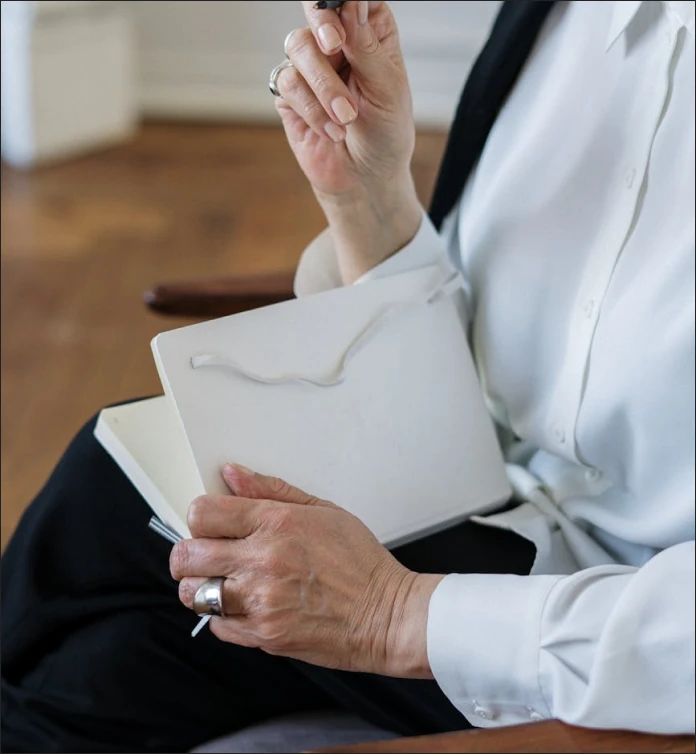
x=551, y=736
x=218, y=298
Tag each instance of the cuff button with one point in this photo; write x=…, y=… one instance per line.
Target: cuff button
x=483, y=713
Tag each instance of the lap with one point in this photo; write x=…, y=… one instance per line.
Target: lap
x=96, y=647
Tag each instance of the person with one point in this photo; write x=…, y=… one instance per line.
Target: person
x=573, y=228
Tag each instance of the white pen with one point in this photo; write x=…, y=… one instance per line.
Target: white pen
x=170, y=535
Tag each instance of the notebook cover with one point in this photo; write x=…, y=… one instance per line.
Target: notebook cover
x=405, y=442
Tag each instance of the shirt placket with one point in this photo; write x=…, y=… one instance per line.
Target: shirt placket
x=630, y=183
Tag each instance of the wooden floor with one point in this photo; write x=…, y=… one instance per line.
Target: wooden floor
x=80, y=243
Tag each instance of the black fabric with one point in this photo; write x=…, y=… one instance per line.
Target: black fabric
x=491, y=79
x=96, y=651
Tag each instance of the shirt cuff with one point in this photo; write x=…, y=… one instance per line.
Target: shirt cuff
x=426, y=248
x=484, y=645
x=318, y=268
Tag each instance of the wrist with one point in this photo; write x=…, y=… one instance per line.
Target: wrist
x=370, y=225
x=407, y=655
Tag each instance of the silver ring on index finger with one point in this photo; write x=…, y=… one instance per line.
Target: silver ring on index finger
x=285, y=43
x=273, y=80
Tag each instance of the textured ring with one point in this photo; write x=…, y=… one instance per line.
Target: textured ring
x=273, y=80
x=208, y=597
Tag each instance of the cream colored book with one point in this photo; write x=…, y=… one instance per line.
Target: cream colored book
x=365, y=395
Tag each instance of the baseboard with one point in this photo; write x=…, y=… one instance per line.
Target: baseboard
x=226, y=103
x=223, y=85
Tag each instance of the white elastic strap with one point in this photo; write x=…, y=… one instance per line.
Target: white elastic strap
x=338, y=374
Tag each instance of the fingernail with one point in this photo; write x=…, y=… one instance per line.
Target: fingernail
x=363, y=12
x=329, y=37
x=232, y=468
x=334, y=132
x=344, y=110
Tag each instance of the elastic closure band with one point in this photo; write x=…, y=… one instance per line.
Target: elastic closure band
x=337, y=374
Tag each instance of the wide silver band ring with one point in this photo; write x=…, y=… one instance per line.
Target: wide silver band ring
x=208, y=597
x=273, y=80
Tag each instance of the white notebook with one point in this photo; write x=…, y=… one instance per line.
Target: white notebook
x=402, y=439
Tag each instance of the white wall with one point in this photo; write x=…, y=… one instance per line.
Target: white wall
x=201, y=58
x=77, y=74
x=67, y=79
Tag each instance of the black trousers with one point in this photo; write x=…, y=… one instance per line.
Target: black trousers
x=96, y=651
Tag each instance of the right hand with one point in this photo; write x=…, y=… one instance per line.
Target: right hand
x=365, y=73
x=356, y=155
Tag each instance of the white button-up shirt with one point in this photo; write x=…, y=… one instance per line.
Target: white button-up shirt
x=575, y=236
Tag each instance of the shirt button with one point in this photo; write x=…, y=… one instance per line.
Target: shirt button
x=534, y=715
x=483, y=712
x=559, y=434
x=629, y=178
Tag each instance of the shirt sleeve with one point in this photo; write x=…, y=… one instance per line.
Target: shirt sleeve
x=607, y=647
x=318, y=268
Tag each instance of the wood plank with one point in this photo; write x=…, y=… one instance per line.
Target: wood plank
x=82, y=241
x=548, y=737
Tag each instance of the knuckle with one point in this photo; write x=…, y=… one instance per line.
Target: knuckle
x=290, y=83
x=273, y=564
x=282, y=518
x=370, y=45
x=186, y=592
x=313, y=113
x=276, y=485
x=197, y=512
x=264, y=597
x=299, y=41
x=323, y=82
x=178, y=560
x=283, y=107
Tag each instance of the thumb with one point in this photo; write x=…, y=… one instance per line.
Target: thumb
x=369, y=39
x=244, y=482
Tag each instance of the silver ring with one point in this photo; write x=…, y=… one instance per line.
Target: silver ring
x=208, y=597
x=273, y=80
x=285, y=43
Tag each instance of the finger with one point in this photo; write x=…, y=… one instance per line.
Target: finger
x=243, y=481
x=223, y=516
x=363, y=48
x=233, y=597
x=295, y=127
x=208, y=557
x=321, y=78
x=237, y=629
x=326, y=27
x=297, y=95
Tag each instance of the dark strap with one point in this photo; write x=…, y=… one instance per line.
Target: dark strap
x=491, y=79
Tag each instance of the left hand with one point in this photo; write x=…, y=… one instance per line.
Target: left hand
x=304, y=579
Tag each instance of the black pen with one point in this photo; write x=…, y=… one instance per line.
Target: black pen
x=328, y=4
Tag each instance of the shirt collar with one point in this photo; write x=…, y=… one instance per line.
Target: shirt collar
x=683, y=10
x=624, y=12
